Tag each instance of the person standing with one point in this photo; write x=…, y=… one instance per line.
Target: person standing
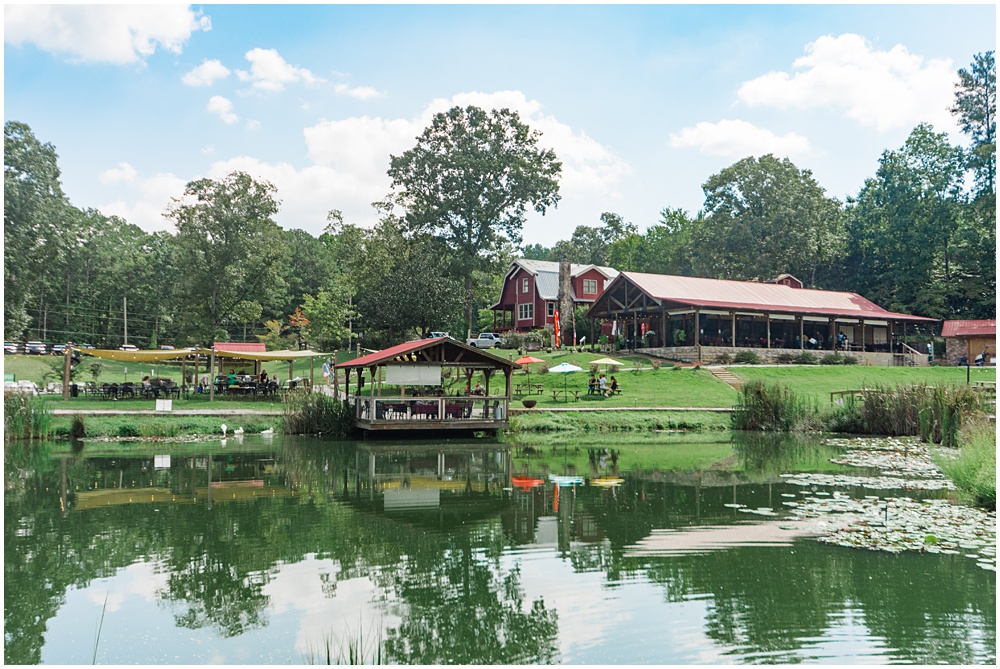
x=326, y=372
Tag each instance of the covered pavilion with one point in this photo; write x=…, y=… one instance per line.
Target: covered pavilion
x=215, y=356
x=419, y=364
x=696, y=320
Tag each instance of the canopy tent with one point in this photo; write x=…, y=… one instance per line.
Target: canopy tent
x=159, y=355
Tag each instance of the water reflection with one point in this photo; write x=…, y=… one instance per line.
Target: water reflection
x=465, y=553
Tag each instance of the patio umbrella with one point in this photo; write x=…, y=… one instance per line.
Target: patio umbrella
x=528, y=360
x=608, y=362
x=564, y=368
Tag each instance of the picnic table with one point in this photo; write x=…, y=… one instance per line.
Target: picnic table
x=566, y=394
x=529, y=388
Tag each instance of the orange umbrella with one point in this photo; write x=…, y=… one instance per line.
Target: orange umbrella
x=528, y=360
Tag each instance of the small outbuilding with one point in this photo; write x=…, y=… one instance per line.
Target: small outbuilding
x=972, y=342
x=405, y=387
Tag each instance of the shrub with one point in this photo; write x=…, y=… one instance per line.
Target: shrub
x=594, y=369
x=784, y=358
x=77, y=429
x=723, y=359
x=655, y=364
x=542, y=369
x=805, y=358
x=832, y=359
x=850, y=360
x=128, y=430
x=746, y=358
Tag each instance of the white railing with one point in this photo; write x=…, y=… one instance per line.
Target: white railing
x=435, y=409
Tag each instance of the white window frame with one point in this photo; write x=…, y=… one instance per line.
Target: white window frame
x=526, y=311
x=524, y=285
x=591, y=283
x=551, y=309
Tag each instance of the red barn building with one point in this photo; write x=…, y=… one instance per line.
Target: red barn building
x=529, y=297
x=969, y=340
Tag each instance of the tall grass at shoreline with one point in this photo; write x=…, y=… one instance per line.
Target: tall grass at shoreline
x=25, y=417
x=935, y=414
x=773, y=408
x=315, y=413
x=973, y=469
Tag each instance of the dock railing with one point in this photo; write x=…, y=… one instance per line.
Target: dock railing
x=444, y=410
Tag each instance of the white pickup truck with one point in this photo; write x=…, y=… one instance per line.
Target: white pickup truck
x=485, y=340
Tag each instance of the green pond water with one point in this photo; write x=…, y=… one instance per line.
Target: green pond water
x=289, y=550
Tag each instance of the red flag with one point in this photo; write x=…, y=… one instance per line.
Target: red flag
x=557, y=328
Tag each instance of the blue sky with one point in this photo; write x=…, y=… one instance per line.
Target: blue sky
x=642, y=103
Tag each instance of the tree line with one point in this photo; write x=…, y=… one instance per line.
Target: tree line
x=919, y=237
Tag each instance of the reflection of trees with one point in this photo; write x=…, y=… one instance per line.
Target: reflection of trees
x=462, y=608
x=774, y=453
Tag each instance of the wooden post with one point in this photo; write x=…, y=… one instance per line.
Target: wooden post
x=67, y=366
x=312, y=372
x=183, y=372
x=697, y=332
x=508, y=373
x=802, y=332
x=211, y=377
x=290, y=372
x=336, y=384
x=768, y=317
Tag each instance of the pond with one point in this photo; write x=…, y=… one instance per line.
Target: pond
x=292, y=550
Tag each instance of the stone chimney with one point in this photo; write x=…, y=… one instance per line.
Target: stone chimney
x=565, y=303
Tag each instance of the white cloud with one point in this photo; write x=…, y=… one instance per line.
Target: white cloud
x=206, y=74
x=223, y=108
x=148, y=201
x=882, y=89
x=117, y=34
x=349, y=159
x=359, y=92
x=270, y=72
x=738, y=139
x=124, y=173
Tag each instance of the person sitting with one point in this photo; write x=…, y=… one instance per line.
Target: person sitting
x=263, y=376
x=614, y=385
x=231, y=378
x=592, y=385
x=479, y=390
x=602, y=384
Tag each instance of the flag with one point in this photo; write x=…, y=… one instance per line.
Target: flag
x=557, y=327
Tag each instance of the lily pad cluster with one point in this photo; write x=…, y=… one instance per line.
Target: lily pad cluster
x=892, y=524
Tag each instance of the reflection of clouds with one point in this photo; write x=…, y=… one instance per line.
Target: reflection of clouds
x=622, y=622
x=351, y=611
x=141, y=580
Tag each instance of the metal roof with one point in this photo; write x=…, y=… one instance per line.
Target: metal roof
x=969, y=328
x=575, y=269
x=759, y=297
x=469, y=355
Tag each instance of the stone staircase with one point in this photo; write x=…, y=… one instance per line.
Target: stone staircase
x=726, y=376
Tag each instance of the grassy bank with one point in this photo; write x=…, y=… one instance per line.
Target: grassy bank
x=617, y=421
x=146, y=427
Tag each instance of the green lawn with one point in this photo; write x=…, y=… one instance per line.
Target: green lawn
x=818, y=381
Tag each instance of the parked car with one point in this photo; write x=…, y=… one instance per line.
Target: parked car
x=35, y=348
x=10, y=347
x=166, y=348
x=485, y=340
x=128, y=347
x=58, y=349
x=435, y=335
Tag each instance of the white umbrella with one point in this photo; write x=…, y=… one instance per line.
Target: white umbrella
x=565, y=368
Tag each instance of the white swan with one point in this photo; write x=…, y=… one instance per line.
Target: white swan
x=238, y=430
x=269, y=430
x=223, y=426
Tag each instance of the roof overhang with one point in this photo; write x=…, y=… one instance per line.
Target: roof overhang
x=442, y=351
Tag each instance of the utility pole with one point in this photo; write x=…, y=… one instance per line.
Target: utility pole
x=125, y=316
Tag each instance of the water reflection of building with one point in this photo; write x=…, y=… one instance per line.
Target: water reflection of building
x=436, y=483
x=169, y=479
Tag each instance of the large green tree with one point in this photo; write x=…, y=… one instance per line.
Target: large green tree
x=228, y=252
x=469, y=180
x=902, y=227
x=34, y=212
x=763, y=217
x=976, y=109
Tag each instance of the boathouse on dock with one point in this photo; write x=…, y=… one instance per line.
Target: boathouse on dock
x=406, y=387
